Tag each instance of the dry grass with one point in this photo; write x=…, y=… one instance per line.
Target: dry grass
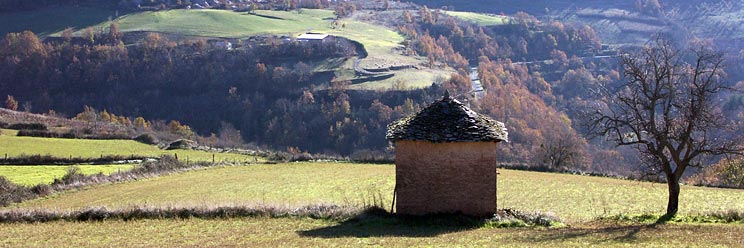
x=303, y=232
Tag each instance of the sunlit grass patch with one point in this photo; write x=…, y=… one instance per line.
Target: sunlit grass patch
x=30, y=175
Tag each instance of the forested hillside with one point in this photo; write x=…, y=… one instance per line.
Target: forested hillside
x=538, y=76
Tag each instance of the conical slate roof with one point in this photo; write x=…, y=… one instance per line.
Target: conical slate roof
x=447, y=120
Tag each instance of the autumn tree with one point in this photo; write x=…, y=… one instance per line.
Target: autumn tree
x=11, y=103
x=666, y=108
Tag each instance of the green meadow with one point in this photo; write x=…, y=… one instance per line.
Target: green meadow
x=30, y=175
x=478, y=18
x=86, y=148
x=573, y=198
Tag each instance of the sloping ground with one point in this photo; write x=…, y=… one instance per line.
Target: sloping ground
x=479, y=18
x=571, y=197
x=617, y=26
x=49, y=20
x=85, y=148
x=382, y=43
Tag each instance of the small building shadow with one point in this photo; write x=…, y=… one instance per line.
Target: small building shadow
x=379, y=223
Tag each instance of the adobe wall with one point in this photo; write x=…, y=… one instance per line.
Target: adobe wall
x=445, y=177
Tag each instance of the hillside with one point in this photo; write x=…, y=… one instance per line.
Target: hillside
x=627, y=23
x=573, y=198
x=50, y=20
x=382, y=44
x=577, y=200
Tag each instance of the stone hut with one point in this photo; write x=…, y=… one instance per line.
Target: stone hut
x=445, y=160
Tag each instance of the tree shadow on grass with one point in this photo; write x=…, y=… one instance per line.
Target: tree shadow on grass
x=611, y=233
x=378, y=223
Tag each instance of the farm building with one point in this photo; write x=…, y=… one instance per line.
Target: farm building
x=445, y=160
x=315, y=38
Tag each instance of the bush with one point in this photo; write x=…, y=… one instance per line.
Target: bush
x=12, y=193
x=73, y=175
x=28, y=126
x=147, y=138
x=370, y=156
x=44, y=134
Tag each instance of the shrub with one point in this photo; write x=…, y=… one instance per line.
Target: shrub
x=28, y=126
x=71, y=135
x=101, y=213
x=370, y=156
x=147, y=138
x=40, y=133
x=11, y=193
x=73, y=175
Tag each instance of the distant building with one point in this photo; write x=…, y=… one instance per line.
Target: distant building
x=226, y=45
x=315, y=38
x=445, y=160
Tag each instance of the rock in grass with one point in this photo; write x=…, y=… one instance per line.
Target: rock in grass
x=182, y=144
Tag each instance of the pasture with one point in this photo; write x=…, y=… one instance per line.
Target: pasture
x=479, y=18
x=14, y=146
x=30, y=175
x=573, y=198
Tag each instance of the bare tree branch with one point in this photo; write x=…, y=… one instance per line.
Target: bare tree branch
x=665, y=107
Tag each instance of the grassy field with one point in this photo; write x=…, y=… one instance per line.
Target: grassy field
x=478, y=18
x=45, y=174
x=295, y=232
x=51, y=20
x=571, y=197
x=379, y=41
x=85, y=148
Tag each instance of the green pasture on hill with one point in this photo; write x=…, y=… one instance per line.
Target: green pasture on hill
x=478, y=18
x=379, y=41
x=85, y=148
x=571, y=197
x=304, y=232
x=30, y=175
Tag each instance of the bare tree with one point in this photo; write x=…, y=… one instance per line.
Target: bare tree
x=666, y=108
x=561, y=149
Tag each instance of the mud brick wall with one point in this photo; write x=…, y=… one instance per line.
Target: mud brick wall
x=445, y=177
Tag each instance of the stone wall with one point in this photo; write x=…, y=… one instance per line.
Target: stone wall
x=445, y=177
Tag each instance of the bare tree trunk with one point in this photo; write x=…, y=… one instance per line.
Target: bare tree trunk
x=673, y=204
